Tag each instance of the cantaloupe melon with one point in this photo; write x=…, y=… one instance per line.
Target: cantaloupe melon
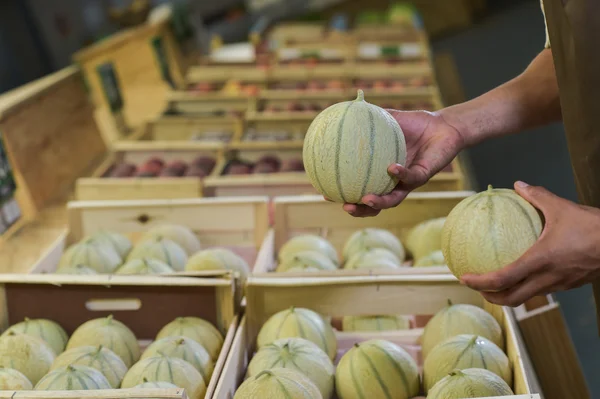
x=47, y=330
x=370, y=238
x=375, y=323
x=373, y=258
x=377, y=369
x=218, y=259
x=155, y=385
x=302, y=323
x=93, y=254
x=26, y=354
x=435, y=258
x=488, y=231
x=469, y=383
x=425, y=238
x=167, y=369
x=186, y=349
x=163, y=249
x=465, y=352
x=73, y=378
x=144, y=266
x=118, y=241
x=298, y=354
x=13, y=380
x=348, y=148
x=77, y=269
x=306, y=260
x=196, y=329
x=97, y=357
x=278, y=383
x=456, y=319
x=307, y=242
x=182, y=235
x=111, y=334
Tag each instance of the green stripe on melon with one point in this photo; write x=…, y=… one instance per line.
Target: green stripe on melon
x=97, y=357
x=306, y=260
x=196, y=329
x=371, y=238
x=278, y=383
x=470, y=383
x=73, y=378
x=96, y=255
x=46, y=330
x=161, y=248
x=144, y=266
x=307, y=242
x=348, y=148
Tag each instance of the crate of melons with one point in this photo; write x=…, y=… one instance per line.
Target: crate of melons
x=314, y=237
x=151, y=170
x=372, y=337
x=216, y=130
x=117, y=337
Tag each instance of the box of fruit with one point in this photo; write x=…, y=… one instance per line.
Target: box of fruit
x=275, y=134
x=221, y=130
x=198, y=75
x=114, y=336
x=317, y=238
x=151, y=170
x=351, y=337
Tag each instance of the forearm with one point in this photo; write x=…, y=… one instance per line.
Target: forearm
x=527, y=101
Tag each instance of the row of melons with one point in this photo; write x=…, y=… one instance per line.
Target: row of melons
x=162, y=249
x=462, y=347
x=105, y=354
x=370, y=248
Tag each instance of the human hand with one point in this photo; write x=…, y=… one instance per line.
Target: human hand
x=567, y=254
x=431, y=144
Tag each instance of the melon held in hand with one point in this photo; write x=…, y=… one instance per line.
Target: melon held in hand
x=348, y=148
x=488, y=231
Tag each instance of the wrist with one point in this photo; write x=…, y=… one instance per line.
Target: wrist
x=457, y=118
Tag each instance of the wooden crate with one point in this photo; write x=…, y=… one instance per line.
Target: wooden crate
x=103, y=394
x=185, y=128
x=208, y=104
x=98, y=187
x=275, y=134
x=313, y=215
x=144, y=303
x=274, y=184
x=223, y=73
x=345, y=296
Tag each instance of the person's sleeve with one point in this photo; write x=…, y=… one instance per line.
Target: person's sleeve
x=547, y=44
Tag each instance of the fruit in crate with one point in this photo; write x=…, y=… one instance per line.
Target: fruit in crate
x=379, y=85
x=488, y=231
x=203, y=87
x=123, y=170
x=425, y=237
x=294, y=107
x=469, y=383
x=238, y=168
x=174, y=169
x=306, y=261
x=205, y=162
x=196, y=329
x=375, y=323
x=292, y=165
x=97, y=357
x=465, y=351
x=92, y=253
x=218, y=259
x=73, y=378
x=251, y=90
x=77, y=269
x=118, y=241
x=373, y=258
x=182, y=235
x=435, y=258
x=296, y=354
x=166, y=369
x=377, y=369
x=232, y=87
x=271, y=108
x=398, y=85
x=302, y=323
x=46, y=330
x=278, y=383
x=272, y=160
x=161, y=248
x=335, y=85
x=264, y=168
x=195, y=171
x=144, y=266
x=153, y=165
x=185, y=349
x=145, y=173
x=314, y=85
x=111, y=334
x=348, y=148
x=29, y=355
x=13, y=380
x=307, y=242
x=155, y=384
x=460, y=319
x=369, y=238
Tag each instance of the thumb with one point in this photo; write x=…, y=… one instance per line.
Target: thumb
x=537, y=196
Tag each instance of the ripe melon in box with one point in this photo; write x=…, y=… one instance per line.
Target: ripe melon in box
x=13, y=380
x=375, y=323
x=377, y=369
x=464, y=352
x=302, y=323
x=218, y=259
x=370, y=238
x=73, y=378
x=278, y=383
x=186, y=349
x=308, y=242
x=46, y=330
x=144, y=266
x=348, y=148
x=77, y=269
x=29, y=355
x=460, y=319
x=182, y=235
x=110, y=333
x=196, y=329
x=373, y=258
x=306, y=261
x=155, y=385
x=425, y=238
x=97, y=357
x=167, y=369
x=163, y=249
x=488, y=231
x=435, y=258
x=93, y=254
x=469, y=383
x=118, y=241
x=297, y=354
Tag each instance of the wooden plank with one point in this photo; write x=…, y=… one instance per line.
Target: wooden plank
x=180, y=128
x=103, y=394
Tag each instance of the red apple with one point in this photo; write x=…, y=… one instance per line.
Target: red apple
x=272, y=160
x=205, y=162
x=196, y=171
x=239, y=169
x=264, y=168
x=144, y=173
x=174, y=168
x=292, y=165
x=314, y=85
x=123, y=170
x=335, y=85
